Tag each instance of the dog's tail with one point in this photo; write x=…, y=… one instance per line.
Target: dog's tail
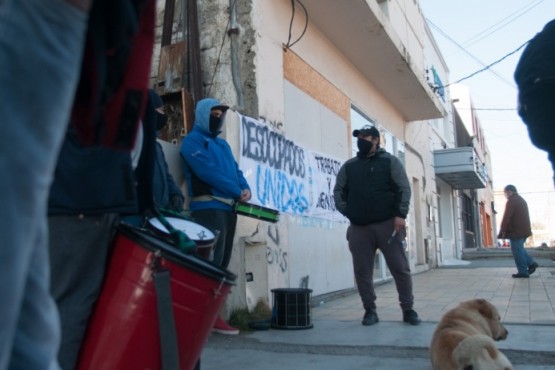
x=478, y=352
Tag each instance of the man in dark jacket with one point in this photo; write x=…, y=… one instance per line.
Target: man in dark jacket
x=166, y=192
x=92, y=187
x=156, y=188
x=515, y=226
x=373, y=192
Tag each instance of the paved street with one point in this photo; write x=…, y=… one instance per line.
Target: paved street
x=339, y=341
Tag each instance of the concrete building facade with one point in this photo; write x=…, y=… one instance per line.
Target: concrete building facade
x=313, y=71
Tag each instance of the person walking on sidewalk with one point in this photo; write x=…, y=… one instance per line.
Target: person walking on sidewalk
x=214, y=182
x=372, y=190
x=515, y=226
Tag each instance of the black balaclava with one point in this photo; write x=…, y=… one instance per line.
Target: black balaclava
x=157, y=102
x=215, y=124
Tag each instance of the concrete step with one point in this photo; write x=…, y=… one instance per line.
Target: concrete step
x=475, y=253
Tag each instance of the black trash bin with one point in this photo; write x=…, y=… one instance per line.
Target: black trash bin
x=291, y=309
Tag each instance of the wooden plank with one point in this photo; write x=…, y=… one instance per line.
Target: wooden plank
x=188, y=106
x=170, y=70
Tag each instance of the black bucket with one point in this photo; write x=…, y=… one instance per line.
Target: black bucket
x=291, y=308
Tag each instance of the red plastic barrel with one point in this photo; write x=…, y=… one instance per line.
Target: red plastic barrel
x=123, y=331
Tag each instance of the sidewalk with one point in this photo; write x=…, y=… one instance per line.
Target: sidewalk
x=519, y=301
x=339, y=341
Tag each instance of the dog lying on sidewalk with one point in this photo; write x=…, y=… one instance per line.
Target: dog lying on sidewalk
x=464, y=338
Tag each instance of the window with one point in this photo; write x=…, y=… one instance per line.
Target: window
x=467, y=214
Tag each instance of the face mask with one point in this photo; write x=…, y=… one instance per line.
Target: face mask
x=364, y=146
x=161, y=120
x=215, y=124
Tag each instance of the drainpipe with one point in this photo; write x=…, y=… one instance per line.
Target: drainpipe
x=477, y=220
x=233, y=34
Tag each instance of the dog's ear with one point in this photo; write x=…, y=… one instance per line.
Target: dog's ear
x=484, y=307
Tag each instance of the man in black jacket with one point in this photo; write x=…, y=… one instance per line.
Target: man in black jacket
x=373, y=192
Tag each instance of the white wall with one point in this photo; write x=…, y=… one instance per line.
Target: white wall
x=406, y=19
x=315, y=249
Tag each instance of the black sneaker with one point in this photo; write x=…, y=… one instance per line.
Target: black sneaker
x=411, y=317
x=370, y=318
x=532, y=268
x=520, y=276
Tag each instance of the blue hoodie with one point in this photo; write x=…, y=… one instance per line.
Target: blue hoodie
x=209, y=166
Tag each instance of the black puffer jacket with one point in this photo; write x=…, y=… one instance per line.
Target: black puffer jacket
x=372, y=189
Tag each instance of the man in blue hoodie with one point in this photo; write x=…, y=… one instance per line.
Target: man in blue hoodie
x=214, y=183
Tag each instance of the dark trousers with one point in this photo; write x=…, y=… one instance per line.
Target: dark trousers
x=79, y=249
x=224, y=222
x=363, y=244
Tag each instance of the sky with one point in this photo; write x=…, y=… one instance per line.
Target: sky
x=472, y=31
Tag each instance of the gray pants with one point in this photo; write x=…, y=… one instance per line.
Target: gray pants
x=79, y=249
x=363, y=244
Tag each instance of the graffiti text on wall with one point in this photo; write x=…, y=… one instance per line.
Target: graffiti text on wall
x=285, y=176
x=275, y=255
x=327, y=168
x=271, y=148
x=284, y=192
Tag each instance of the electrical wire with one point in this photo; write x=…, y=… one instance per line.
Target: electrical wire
x=488, y=109
x=289, y=43
x=490, y=65
x=291, y=23
x=520, y=12
x=496, y=109
x=538, y=192
x=219, y=54
x=473, y=57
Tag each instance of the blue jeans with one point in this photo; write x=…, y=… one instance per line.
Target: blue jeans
x=41, y=43
x=522, y=259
